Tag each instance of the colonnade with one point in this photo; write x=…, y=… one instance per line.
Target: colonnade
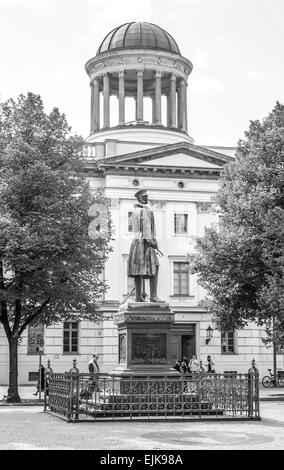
x=175, y=91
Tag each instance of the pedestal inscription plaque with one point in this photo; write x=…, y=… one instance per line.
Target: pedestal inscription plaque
x=144, y=338
x=148, y=348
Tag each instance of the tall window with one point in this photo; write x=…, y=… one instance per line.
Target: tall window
x=130, y=221
x=181, y=223
x=35, y=338
x=227, y=342
x=70, y=336
x=181, y=279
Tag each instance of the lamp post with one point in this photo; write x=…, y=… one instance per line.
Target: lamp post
x=209, y=334
x=40, y=350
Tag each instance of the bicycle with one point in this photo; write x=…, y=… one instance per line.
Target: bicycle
x=268, y=380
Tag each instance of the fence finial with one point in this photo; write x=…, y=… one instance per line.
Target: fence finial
x=48, y=369
x=253, y=367
x=74, y=369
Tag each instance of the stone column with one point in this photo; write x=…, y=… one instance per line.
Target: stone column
x=168, y=110
x=106, y=100
x=139, y=107
x=92, y=107
x=153, y=109
x=158, y=98
x=173, y=101
x=182, y=105
x=121, y=97
x=96, y=105
x=135, y=108
x=186, y=128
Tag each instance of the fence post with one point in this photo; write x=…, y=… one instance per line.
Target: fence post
x=253, y=391
x=74, y=391
x=47, y=373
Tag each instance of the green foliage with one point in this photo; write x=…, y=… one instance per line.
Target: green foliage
x=50, y=269
x=241, y=266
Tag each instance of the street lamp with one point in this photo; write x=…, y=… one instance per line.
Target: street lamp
x=40, y=350
x=209, y=334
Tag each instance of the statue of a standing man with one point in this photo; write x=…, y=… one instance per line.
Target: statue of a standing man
x=143, y=261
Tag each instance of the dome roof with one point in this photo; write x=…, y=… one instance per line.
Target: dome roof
x=138, y=36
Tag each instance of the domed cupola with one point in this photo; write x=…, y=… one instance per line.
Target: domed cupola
x=138, y=36
x=138, y=61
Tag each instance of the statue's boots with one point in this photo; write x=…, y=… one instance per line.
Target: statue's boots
x=138, y=289
x=153, y=288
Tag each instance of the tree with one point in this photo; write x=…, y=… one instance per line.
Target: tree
x=50, y=269
x=242, y=266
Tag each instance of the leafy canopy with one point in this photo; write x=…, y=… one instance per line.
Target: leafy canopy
x=50, y=268
x=241, y=265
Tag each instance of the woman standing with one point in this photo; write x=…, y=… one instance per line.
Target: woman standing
x=210, y=366
x=193, y=364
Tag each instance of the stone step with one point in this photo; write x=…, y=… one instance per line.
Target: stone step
x=146, y=407
x=109, y=410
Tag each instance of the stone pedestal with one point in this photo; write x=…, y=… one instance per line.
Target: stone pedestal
x=144, y=339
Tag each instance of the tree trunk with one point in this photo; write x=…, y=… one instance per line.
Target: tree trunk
x=13, y=394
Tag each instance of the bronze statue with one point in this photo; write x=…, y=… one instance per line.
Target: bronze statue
x=143, y=261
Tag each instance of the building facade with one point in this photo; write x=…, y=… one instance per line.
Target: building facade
x=139, y=69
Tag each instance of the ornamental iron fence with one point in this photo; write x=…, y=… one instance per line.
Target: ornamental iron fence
x=78, y=396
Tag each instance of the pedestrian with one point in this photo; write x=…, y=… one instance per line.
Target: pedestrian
x=41, y=379
x=93, y=366
x=177, y=366
x=94, y=370
x=184, y=365
x=184, y=359
x=193, y=364
x=201, y=369
x=210, y=366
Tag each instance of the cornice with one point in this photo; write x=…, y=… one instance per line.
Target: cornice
x=156, y=171
x=129, y=59
x=201, y=153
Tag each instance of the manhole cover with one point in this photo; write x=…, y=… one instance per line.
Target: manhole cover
x=208, y=438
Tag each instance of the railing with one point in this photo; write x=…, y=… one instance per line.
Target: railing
x=75, y=396
x=89, y=151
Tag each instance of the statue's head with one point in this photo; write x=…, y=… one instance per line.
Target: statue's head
x=142, y=196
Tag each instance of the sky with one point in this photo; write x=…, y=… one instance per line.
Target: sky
x=236, y=47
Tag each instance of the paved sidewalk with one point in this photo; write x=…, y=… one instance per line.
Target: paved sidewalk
x=273, y=394
x=26, y=394
x=31, y=429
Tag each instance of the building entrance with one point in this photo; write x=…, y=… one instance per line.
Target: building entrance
x=187, y=346
x=183, y=341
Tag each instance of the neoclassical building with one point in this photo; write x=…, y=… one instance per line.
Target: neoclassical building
x=140, y=138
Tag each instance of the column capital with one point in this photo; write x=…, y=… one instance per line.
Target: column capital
x=92, y=84
x=121, y=73
x=158, y=74
x=140, y=72
x=173, y=76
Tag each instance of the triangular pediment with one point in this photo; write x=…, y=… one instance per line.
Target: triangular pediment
x=180, y=160
x=178, y=155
